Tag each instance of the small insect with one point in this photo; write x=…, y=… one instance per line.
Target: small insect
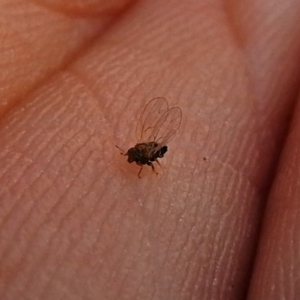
x=157, y=125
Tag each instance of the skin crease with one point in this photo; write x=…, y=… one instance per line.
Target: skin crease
x=75, y=220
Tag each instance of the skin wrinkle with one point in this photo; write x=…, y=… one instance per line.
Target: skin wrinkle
x=87, y=89
x=126, y=77
x=215, y=250
x=143, y=51
x=237, y=37
x=289, y=249
x=172, y=234
x=219, y=138
x=184, y=281
x=104, y=220
x=170, y=242
x=73, y=245
x=33, y=136
x=167, y=257
x=223, y=283
x=10, y=48
x=54, y=272
x=121, y=219
x=18, y=103
x=196, y=270
x=18, y=134
x=102, y=223
x=131, y=269
x=117, y=268
x=45, y=79
x=231, y=166
x=157, y=270
x=229, y=260
x=61, y=223
x=24, y=221
x=58, y=202
x=31, y=238
x=40, y=153
x=141, y=282
x=189, y=266
x=291, y=274
x=27, y=117
x=122, y=114
x=152, y=220
x=268, y=37
x=85, y=79
x=156, y=254
x=83, y=82
x=118, y=264
x=181, y=32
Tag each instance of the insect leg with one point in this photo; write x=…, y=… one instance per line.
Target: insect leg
x=139, y=173
x=158, y=162
x=152, y=166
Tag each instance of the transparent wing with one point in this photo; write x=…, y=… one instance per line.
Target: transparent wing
x=152, y=115
x=167, y=126
x=158, y=123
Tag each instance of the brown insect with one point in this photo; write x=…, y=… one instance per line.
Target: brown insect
x=157, y=125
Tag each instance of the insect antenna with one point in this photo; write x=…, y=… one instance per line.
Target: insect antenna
x=122, y=151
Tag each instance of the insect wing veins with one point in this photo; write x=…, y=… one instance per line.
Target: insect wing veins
x=150, y=118
x=158, y=123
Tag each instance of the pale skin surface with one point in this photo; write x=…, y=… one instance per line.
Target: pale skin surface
x=76, y=222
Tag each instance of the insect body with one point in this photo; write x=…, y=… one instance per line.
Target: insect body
x=157, y=124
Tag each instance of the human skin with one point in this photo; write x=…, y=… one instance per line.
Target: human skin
x=220, y=221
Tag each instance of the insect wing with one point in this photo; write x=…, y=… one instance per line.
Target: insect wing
x=152, y=116
x=167, y=126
